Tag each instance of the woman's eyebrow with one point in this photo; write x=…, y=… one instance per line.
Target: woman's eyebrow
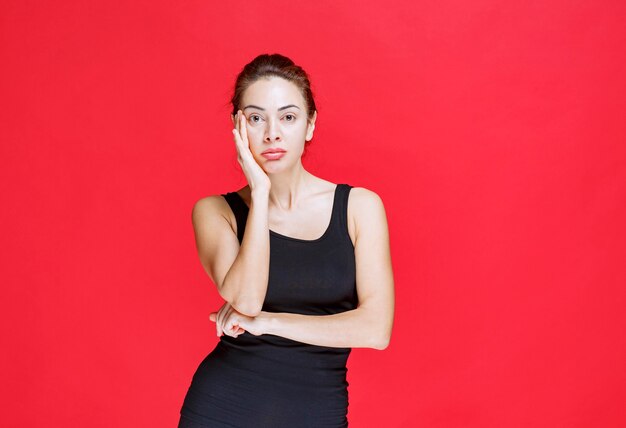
x=262, y=109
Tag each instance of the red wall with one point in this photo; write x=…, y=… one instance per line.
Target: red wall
x=494, y=131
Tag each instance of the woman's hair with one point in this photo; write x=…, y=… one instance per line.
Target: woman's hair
x=265, y=66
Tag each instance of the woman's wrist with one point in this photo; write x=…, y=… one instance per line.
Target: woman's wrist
x=266, y=321
x=260, y=195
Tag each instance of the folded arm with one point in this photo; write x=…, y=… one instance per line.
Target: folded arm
x=240, y=272
x=370, y=324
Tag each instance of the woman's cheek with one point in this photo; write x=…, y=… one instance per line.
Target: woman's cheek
x=256, y=148
x=255, y=135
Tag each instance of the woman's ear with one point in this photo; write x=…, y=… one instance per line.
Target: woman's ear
x=311, y=127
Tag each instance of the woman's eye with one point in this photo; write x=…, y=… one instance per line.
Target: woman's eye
x=254, y=117
x=290, y=116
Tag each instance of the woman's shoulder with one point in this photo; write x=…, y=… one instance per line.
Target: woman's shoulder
x=365, y=210
x=210, y=202
x=211, y=207
x=361, y=196
x=218, y=200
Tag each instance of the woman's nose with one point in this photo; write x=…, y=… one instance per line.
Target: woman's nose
x=272, y=131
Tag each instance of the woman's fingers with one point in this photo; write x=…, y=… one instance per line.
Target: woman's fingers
x=213, y=317
x=255, y=176
x=231, y=322
x=243, y=154
x=227, y=321
x=221, y=315
x=243, y=131
x=241, y=140
x=218, y=318
x=218, y=328
x=222, y=319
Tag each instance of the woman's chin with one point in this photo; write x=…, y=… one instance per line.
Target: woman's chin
x=274, y=167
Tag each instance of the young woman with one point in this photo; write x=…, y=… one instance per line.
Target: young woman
x=303, y=265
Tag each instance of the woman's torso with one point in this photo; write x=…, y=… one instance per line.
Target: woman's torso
x=266, y=374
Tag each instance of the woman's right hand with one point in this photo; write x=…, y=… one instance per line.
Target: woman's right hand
x=225, y=322
x=256, y=177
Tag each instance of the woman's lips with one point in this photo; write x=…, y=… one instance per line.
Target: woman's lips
x=273, y=154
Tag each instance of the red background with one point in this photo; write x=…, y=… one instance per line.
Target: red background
x=494, y=132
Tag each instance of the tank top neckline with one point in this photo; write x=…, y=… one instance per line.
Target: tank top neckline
x=333, y=215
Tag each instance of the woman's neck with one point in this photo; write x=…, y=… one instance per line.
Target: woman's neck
x=289, y=188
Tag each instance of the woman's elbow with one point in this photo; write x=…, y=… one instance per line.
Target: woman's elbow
x=381, y=343
x=244, y=305
x=380, y=331
x=380, y=340
x=247, y=307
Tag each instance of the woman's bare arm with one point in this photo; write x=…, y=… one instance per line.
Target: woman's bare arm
x=370, y=324
x=240, y=273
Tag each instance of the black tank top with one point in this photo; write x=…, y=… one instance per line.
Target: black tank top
x=269, y=380
x=312, y=277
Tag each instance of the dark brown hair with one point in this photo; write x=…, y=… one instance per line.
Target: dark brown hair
x=265, y=66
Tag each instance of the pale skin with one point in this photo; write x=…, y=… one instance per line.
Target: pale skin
x=285, y=198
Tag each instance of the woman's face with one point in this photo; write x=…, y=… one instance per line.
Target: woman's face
x=276, y=118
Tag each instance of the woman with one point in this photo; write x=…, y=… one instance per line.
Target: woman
x=303, y=265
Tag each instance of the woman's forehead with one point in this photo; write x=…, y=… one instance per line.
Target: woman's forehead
x=272, y=93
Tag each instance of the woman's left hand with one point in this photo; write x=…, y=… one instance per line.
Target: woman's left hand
x=232, y=323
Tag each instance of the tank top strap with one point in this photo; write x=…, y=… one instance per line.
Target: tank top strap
x=339, y=216
x=240, y=209
x=340, y=209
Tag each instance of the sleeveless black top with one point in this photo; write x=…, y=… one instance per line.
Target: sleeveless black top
x=271, y=381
